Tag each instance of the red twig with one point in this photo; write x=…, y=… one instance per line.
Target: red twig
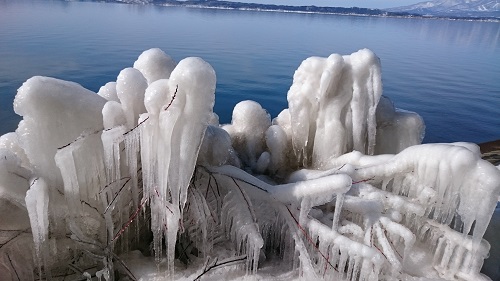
x=161, y=199
x=326, y=265
x=365, y=180
x=116, y=196
x=131, y=219
x=247, y=200
x=310, y=239
x=109, y=184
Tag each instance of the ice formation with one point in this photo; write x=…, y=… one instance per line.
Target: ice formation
x=141, y=181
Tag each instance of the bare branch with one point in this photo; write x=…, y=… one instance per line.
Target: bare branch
x=131, y=219
x=12, y=265
x=82, y=136
x=116, y=196
x=145, y=119
x=109, y=184
x=15, y=236
x=129, y=272
x=173, y=97
x=309, y=239
x=215, y=265
x=247, y=200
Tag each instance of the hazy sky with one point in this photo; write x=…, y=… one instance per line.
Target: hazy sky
x=339, y=3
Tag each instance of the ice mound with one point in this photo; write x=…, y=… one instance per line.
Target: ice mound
x=141, y=181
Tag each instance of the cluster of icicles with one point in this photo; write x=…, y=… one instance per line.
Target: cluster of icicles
x=337, y=187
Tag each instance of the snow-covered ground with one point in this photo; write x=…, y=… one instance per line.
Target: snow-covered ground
x=141, y=181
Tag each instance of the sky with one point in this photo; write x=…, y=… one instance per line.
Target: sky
x=338, y=3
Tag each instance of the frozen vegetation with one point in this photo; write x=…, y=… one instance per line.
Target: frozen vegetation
x=141, y=181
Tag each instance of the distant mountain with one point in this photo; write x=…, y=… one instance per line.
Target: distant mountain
x=450, y=9
x=460, y=8
x=221, y=4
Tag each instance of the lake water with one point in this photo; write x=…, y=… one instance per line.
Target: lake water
x=447, y=71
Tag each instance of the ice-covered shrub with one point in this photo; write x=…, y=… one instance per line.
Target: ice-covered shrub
x=140, y=180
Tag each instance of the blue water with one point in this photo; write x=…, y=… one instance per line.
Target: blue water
x=447, y=71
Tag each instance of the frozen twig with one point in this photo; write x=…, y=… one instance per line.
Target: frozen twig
x=14, y=237
x=109, y=184
x=131, y=219
x=82, y=136
x=145, y=119
x=173, y=98
x=116, y=196
x=207, y=268
x=247, y=201
x=365, y=180
x=309, y=239
x=127, y=270
x=13, y=267
x=163, y=201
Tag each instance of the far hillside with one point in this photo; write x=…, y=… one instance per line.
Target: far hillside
x=456, y=8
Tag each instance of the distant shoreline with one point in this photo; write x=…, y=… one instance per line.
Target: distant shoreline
x=353, y=11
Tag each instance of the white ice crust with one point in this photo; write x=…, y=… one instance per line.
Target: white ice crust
x=141, y=181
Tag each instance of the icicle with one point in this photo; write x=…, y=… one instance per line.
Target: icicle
x=37, y=203
x=131, y=141
x=338, y=208
x=149, y=158
x=305, y=207
x=170, y=230
x=111, y=139
x=66, y=163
